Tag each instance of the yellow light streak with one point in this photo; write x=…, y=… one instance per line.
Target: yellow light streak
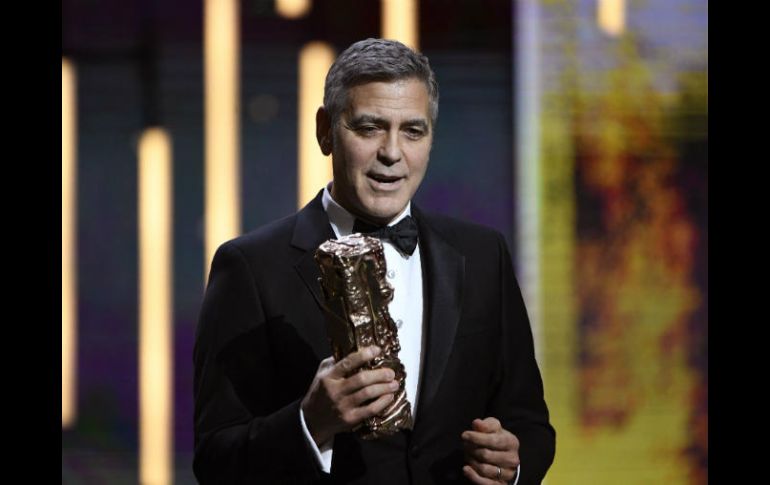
x=292, y=9
x=155, y=308
x=612, y=16
x=68, y=244
x=222, y=165
x=315, y=169
x=399, y=21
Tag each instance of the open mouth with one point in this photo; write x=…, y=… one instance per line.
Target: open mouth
x=384, y=179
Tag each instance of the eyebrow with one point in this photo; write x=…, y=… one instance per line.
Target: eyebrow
x=377, y=120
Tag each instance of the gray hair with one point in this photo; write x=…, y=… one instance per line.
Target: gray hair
x=373, y=60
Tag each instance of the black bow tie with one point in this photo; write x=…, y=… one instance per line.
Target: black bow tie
x=403, y=235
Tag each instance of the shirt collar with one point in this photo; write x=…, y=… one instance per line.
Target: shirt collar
x=342, y=221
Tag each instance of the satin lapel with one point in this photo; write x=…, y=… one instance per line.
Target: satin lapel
x=311, y=230
x=443, y=269
x=308, y=271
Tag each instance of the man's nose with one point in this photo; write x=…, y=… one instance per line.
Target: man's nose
x=390, y=150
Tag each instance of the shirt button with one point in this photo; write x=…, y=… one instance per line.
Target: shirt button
x=399, y=322
x=391, y=274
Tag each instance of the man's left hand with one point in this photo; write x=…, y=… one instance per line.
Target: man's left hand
x=491, y=451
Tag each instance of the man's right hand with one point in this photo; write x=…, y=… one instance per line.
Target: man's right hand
x=336, y=403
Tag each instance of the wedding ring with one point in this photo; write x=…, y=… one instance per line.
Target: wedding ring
x=499, y=473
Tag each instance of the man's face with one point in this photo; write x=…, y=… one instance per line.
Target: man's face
x=381, y=148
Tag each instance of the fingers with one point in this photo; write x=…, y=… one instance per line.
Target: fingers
x=487, y=425
x=361, y=381
x=335, y=402
x=367, y=378
x=494, y=447
x=373, y=391
x=475, y=477
x=504, y=459
x=353, y=361
x=488, y=471
x=357, y=414
x=502, y=440
x=354, y=396
x=326, y=365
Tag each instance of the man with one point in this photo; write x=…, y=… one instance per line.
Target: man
x=272, y=406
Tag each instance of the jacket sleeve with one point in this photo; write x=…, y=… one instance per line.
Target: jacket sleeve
x=518, y=399
x=240, y=436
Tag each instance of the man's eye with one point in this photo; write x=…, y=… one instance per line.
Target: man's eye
x=415, y=132
x=367, y=129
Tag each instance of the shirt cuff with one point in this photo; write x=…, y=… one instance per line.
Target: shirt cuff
x=323, y=455
x=518, y=473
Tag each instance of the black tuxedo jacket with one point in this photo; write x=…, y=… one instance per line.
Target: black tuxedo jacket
x=261, y=335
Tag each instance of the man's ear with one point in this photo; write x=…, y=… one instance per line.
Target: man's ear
x=323, y=130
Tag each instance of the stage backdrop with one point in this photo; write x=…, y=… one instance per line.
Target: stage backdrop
x=624, y=246
x=617, y=205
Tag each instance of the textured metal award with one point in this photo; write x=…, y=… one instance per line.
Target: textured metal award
x=357, y=296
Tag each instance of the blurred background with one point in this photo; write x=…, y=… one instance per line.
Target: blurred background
x=579, y=129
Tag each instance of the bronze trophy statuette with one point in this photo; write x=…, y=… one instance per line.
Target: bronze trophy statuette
x=357, y=297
